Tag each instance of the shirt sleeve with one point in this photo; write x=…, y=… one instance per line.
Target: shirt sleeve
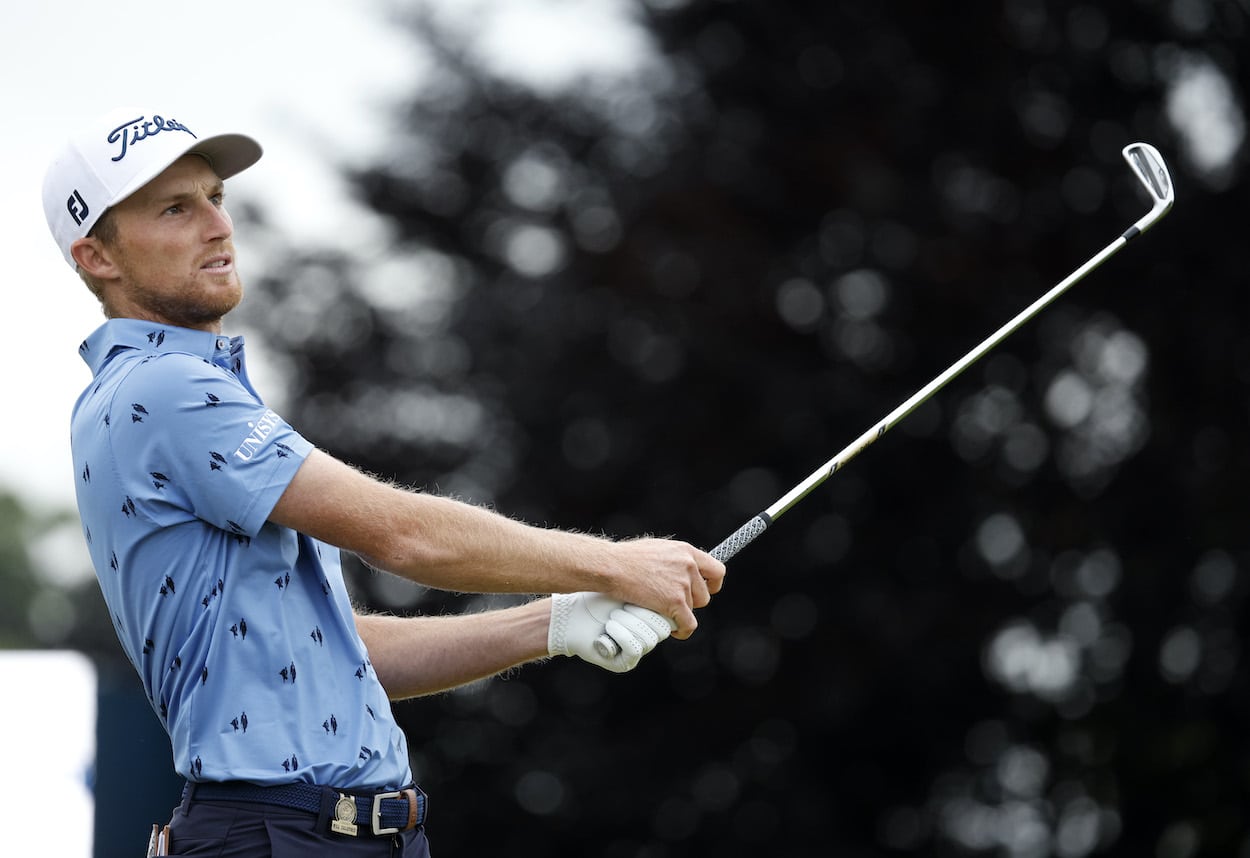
x=195, y=442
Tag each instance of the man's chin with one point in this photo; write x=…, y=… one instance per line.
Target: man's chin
x=212, y=307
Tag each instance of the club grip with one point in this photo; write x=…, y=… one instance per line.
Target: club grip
x=740, y=538
x=731, y=545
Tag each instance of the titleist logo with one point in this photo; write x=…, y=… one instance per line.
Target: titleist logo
x=141, y=129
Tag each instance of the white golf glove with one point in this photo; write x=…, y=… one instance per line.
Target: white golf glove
x=577, y=619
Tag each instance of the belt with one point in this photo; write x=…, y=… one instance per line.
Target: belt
x=379, y=813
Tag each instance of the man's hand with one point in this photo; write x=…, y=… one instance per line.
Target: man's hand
x=670, y=577
x=577, y=619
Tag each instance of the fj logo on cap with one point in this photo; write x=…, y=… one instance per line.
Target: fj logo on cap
x=77, y=207
x=141, y=129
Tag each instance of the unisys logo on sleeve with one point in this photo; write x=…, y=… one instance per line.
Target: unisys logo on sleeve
x=261, y=430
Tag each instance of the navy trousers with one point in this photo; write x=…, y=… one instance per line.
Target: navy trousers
x=229, y=829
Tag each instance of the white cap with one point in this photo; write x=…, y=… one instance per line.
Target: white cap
x=117, y=154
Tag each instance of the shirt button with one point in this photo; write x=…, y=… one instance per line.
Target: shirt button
x=221, y=344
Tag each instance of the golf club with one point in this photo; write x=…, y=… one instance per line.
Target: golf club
x=1151, y=171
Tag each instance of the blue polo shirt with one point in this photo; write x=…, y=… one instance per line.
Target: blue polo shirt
x=241, y=631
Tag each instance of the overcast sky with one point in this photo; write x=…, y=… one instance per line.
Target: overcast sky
x=244, y=65
x=311, y=80
x=235, y=62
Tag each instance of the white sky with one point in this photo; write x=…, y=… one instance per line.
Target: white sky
x=311, y=80
x=246, y=64
x=269, y=69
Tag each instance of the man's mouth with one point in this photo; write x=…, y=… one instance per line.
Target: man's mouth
x=217, y=262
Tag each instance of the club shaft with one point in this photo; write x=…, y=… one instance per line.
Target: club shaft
x=800, y=491
x=744, y=535
x=1151, y=171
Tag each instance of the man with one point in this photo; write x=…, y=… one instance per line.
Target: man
x=213, y=527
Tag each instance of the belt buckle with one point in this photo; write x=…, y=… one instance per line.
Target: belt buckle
x=376, y=818
x=344, y=821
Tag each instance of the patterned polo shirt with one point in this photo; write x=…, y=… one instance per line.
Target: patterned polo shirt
x=241, y=631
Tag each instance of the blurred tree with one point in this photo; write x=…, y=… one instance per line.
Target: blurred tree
x=19, y=582
x=50, y=597
x=653, y=302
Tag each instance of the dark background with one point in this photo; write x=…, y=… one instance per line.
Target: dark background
x=1013, y=625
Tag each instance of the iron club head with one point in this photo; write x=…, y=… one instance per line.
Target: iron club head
x=1151, y=170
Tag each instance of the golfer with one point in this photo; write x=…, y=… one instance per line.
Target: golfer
x=215, y=530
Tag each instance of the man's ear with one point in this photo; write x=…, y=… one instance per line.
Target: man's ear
x=93, y=257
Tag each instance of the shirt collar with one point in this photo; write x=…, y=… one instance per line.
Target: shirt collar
x=157, y=339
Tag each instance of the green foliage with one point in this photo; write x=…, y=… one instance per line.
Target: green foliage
x=17, y=579
x=45, y=607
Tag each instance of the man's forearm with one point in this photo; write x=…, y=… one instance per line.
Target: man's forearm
x=436, y=541
x=460, y=547
x=454, y=546
x=413, y=656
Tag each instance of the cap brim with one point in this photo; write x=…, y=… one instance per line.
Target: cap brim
x=227, y=154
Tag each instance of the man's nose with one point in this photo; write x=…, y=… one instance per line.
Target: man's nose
x=217, y=222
